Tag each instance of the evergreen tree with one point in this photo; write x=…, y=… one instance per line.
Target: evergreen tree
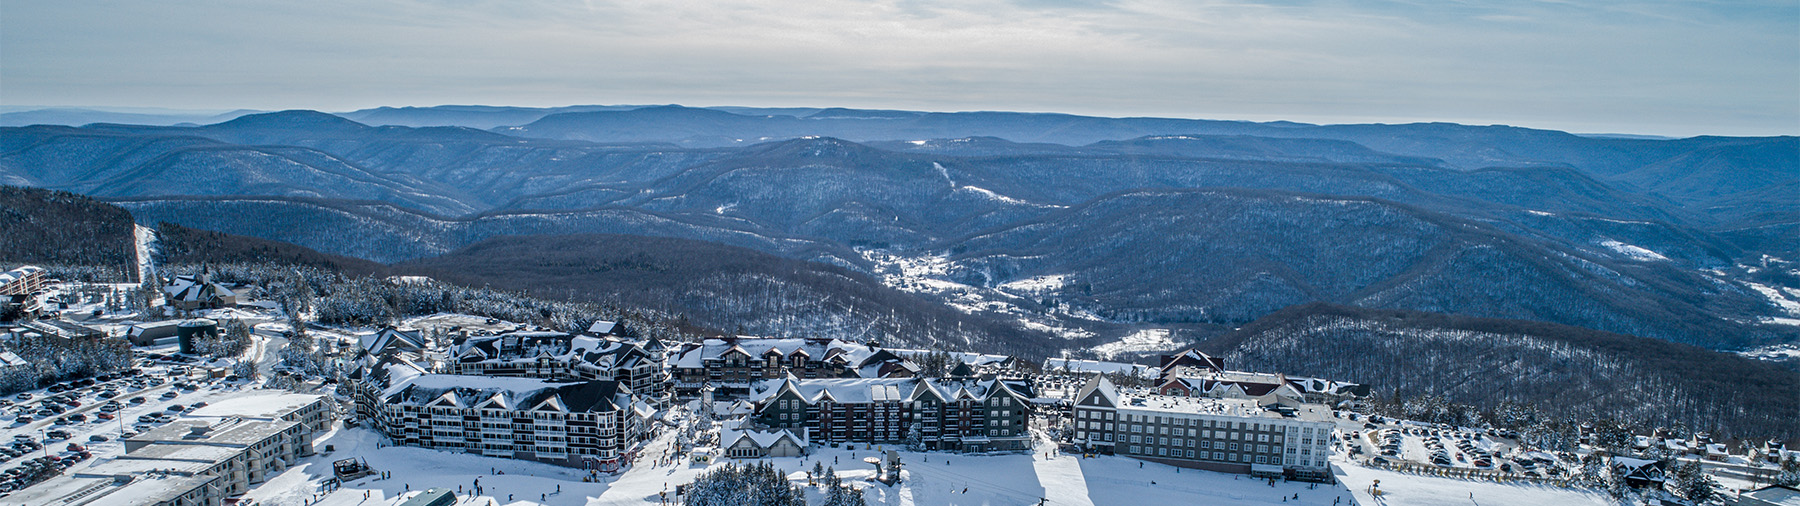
x=1692, y=483
x=1790, y=473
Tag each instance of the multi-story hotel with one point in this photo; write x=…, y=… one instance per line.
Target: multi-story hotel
x=561, y=356
x=210, y=454
x=1266, y=437
x=958, y=414
x=731, y=364
x=587, y=424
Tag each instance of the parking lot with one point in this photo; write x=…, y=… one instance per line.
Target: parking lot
x=1385, y=442
x=68, y=425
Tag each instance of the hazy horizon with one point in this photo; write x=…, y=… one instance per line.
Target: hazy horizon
x=1637, y=67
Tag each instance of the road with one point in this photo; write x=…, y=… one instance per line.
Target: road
x=271, y=344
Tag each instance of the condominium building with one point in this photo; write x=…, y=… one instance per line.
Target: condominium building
x=586, y=424
x=1250, y=436
x=562, y=356
x=731, y=364
x=958, y=414
x=200, y=460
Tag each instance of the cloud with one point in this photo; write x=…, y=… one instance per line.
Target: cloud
x=1653, y=67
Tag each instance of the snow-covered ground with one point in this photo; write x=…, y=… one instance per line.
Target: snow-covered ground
x=1142, y=341
x=928, y=275
x=930, y=479
x=1777, y=352
x=1632, y=252
x=1402, y=489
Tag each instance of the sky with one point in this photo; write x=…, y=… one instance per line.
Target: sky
x=1656, y=67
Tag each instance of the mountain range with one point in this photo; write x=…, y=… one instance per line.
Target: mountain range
x=1069, y=231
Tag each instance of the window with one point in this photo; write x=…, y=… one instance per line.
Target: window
x=1162, y=451
x=1134, y=438
x=1162, y=441
x=1134, y=449
x=1190, y=454
x=1081, y=434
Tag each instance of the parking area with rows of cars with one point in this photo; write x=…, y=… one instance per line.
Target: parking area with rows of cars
x=48, y=431
x=1386, y=441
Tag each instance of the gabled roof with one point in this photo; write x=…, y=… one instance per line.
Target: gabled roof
x=603, y=328
x=1191, y=358
x=1098, y=386
x=511, y=393
x=389, y=338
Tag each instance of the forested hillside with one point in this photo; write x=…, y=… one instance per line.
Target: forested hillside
x=1566, y=371
x=49, y=227
x=723, y=287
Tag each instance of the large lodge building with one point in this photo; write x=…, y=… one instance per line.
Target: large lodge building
x=955, y=414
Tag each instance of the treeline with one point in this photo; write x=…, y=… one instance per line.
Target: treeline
x=317, y=295
x=49, y=227
x=1425, y=364
x=723, y=287
x=177, y=244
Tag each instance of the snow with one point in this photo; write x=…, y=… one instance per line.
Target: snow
x=1776, y=298
x=1035, y=284
x=1777, y=352
x=1402, y=489
x=1142, y=341
x=144, y=239
x=1633, y=252
x=929, y=479
x=1539, y=213
x=264, y=404
x=1086, y=366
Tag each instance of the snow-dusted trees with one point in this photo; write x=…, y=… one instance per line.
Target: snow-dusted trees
x=1790, y=473
x=758, y=484
x=55, y=358
x=915, y=437
x=328, y=297
x=1692, y=483
x=233, y=343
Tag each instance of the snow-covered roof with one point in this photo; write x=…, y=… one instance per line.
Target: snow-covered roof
x=602, y=327
x=580, y=350
x=508, y=393
x=392, y=338
x=196, y=289
x=1096, y=366
x=763, y=438
x=261, y=405
x=972, y=359
x=1195, y=405
x=816, y=349
x=867, y=390
x=18, y=274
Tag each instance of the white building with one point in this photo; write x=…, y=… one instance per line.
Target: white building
x=1228, y=435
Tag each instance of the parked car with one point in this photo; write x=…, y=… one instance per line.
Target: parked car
x=137, y=400
x=97, y=438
